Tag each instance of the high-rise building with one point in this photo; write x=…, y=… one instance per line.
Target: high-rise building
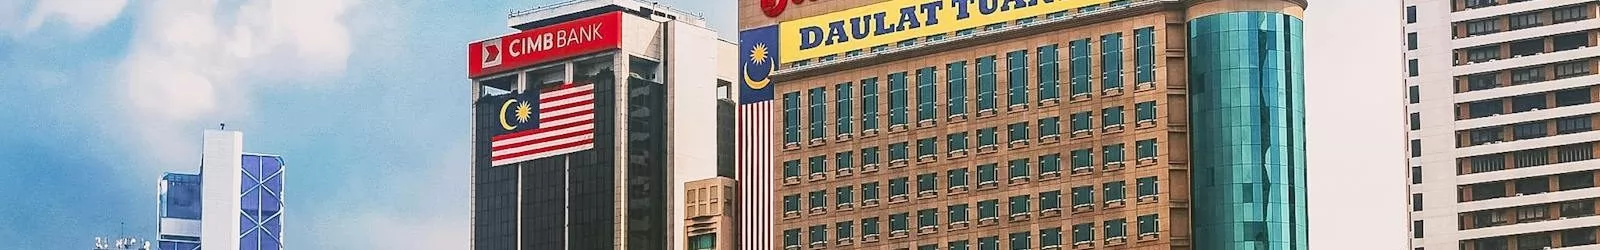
x=1500, y=107
x=989, y=124
x=590, y=117
x=709, y=214
x=236, y=202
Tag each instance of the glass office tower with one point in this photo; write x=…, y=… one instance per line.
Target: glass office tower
x=179, y=212
x=236, y=202
x=261, y=217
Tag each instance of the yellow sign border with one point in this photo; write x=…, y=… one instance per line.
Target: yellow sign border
x=789, y=32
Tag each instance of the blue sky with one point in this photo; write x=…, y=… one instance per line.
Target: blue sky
x=366, y=99
x=368, y=102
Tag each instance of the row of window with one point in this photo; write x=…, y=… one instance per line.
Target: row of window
x=1525, y=158
x=1525, y=75
x=1474, y=4
x=1522, y=131
x=844, y=233
x=1533, y=241
x=1522, y=20
x=899, y=154
x=1114, y=193
x=956, y=98
x=1528, y=47
x=1527, y=186
x=1524, y=103
x=1527, y=214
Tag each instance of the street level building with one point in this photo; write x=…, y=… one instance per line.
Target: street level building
x=999, y=124
x=1500, y=108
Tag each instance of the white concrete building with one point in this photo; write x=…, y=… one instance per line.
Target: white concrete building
x=1500, y=114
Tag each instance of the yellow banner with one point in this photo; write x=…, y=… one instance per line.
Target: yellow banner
x=897, y=20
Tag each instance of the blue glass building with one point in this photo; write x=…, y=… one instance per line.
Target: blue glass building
x=236, y=202
x=179, y=212
x=261, y=217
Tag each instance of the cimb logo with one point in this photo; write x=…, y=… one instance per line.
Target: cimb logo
x=491, y=53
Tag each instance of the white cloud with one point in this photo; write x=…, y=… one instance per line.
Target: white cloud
x=79, y=15
x=193, y=62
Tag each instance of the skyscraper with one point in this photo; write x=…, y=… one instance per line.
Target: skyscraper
x=1500, y=112
x=236, y=202
x=590, y=116
x=989, y=124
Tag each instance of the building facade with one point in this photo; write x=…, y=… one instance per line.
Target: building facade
x=709, y=214
x=1081, y=124
x=1499, y=123
x=236, y=202
x=589, y=118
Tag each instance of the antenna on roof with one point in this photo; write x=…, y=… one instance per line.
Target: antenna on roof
x=223, y=125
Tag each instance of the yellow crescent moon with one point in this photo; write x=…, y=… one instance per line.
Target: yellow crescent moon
x=503, y=107
x=763, y=82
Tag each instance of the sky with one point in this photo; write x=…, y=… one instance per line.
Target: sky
x=368, y=103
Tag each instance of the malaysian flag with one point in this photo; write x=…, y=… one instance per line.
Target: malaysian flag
x=758, y=55
x=559, y=121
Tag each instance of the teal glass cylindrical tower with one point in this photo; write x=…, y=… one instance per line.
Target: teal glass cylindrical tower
x=1246, y=98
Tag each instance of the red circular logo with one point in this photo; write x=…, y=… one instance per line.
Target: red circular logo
x=773, y=8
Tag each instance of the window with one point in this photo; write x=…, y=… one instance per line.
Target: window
x=817, y=164
x=1083, y=233
x=1416, y=202
x=956, y=87
x=1049, y=73
x=1415, y=94
x=1482, y=81
x=1017, y=168
x=1411, y=67
x=1528, y=213
x=1572, y=97
x=1147, y=186
x=1058, y=14
x=1579, y=208
x=927, y=146
x=927, y=218
x=986, y=173
x=1149, y=223
x=986, y=83
x=869, y=226
x=1486, y=108
x=1578, y=180
x=1017, y=77
x=1416, y=229
x=1411, y=41
x=1145, y=111
x=986, y=136
x=1050, y=126
x=1082, y=121
x=1144, y=58
x=898, y=151
x=1486, y=135
x=1111, y=51
x=1082, y=195
x=1529, y=130
x=1146, y=148
x=1020, y=240
x=1411, y=14
x=906, y=43
x=1484, y=191
x=819, y=234
x=898, y=186
x=818, y=110
x=1579, y=236
x=869, y=155
x=1416, y=148
x=1114, y=190
x=956, y=177
x=869, y=104
x=956, y=141
x=1049, y=200
x=1088, y=9
x=1416, y=174
x=1416, y=121
x=1483, y=26
x=1082, y=158
x=1078, y=51
x=1573, y=68
x=1527, y=75
x=958, y=245
x=791, y=117
x=817, y=199
x=1050, y=163
x=1050, y=237
x=989, y=243
x=869, y=191
x=1018, y=204
x=1528, y=158
x=1111, y=116
x=1483, y=54
x=791, y=237
x=843, y=118
x=844, y=195
x=843, y=160
x=791, y=168
x=1527, y=47
x=1527, y=103
x=703, y=242
x=927, y=182
x=791, y=203
x=1113, y=153
x=1522, y=21
x=926, y=91
x=1116, y=228
x=966, y=31
x=1487, y=163
x=1574, y=124
x=1568, y=14
x=934, y=37
x=988, y=209
x=1017, y=131
x=897, y=98
x=898, y=222
x=957, y=212
x=994, y=26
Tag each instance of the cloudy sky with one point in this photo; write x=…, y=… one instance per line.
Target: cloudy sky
x=367, y=101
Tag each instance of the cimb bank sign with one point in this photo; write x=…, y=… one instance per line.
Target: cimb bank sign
x=544, y=44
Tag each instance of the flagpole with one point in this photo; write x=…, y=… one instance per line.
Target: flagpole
x=566, y=217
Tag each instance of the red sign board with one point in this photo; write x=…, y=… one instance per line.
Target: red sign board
x=544, y=44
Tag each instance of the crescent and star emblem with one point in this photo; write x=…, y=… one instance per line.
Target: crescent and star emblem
x=758, y=55
x=503, y=107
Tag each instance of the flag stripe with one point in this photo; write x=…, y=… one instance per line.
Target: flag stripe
x=575, y=129
x=565, y=125
x=755, y=158
x=575, y=146
x=530, y=134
